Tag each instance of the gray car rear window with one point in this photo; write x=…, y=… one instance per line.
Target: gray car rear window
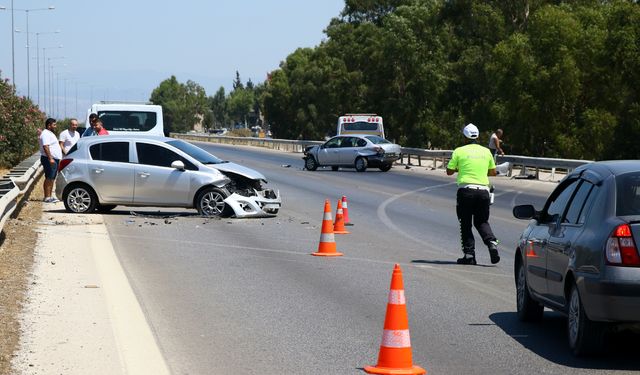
x=628, y=194
x=110, y=151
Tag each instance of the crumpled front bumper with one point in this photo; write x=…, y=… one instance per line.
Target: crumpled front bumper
x=265, y=203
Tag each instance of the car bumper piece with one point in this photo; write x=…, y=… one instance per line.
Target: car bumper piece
x=258, y=205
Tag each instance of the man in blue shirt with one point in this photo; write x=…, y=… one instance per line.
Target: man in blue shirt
x=90, y=129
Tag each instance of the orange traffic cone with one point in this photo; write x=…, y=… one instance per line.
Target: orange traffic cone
x=395, y=349
x=345, y=211
x=327, y=246
x=338, y=226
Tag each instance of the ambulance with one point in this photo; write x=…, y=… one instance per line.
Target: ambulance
x=360, y=123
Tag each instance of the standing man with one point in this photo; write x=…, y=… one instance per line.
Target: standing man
x=50, y=155
x=69, y=137
x=99, y=128
x=495, y=144
x=473, y=164
x=89, y=131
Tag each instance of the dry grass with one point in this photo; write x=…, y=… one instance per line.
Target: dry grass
x=17, y=243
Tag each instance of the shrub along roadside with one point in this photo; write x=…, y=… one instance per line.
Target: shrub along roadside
x=19, y=122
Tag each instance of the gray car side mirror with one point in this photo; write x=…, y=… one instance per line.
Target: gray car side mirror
x=178, y=164
x=524, y=211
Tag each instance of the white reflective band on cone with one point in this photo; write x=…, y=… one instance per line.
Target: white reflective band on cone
x=396, y=297
x=396, y=338
x=327, y=216
x=327, y=237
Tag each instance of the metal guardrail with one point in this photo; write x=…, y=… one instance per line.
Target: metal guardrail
x=437, y=158
x=15, y=184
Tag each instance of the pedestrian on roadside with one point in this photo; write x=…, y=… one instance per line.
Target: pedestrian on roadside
x=473, y=163
x=495, y=144
x=50, y=155
x=89, y=131
x=69, y=137
x=99, y=128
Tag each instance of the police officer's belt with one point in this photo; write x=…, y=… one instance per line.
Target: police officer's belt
x=476, y=187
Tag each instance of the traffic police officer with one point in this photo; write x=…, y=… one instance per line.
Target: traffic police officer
x=473, y=163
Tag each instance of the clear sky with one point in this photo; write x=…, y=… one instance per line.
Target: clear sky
x=122, y=50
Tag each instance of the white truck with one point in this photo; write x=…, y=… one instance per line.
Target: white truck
x=129, y=118
x=360, y=123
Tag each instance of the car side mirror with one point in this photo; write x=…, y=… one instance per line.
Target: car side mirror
x=178, y=164
x=524, y=211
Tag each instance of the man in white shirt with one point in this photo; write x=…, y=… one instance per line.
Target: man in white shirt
x=50, y=155
x=69, y=137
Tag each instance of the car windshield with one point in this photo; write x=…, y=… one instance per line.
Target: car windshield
x=195, y=152
x=628, y=194
x=376, y=140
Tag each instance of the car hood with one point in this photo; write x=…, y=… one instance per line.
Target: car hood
x=238, y=169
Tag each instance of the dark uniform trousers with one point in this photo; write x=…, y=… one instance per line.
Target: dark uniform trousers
x=473, y=208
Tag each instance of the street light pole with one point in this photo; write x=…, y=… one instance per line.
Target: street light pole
x=38, y=57
x=13, y=61
x=44, y=74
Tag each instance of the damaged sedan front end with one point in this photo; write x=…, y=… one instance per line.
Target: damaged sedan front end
x=247, y=196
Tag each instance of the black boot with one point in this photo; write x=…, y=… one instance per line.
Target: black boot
x=493, y=252
x=467, y=259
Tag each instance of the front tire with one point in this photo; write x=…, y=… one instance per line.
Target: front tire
x=528, y=309
x=210, y=202
x=310, y=163
x=585, y=335
x=104, y=208
x=361, y=164
x=79, y=199
x=385, y=167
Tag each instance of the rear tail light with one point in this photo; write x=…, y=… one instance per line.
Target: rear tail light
x=621, y=249
x=379, y=150
x=63, y=163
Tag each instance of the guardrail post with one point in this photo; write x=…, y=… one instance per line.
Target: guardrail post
x=419, y=161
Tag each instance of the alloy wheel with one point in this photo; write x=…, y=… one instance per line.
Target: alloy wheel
x=574, y=316
x=79, y=200
x=212, y=203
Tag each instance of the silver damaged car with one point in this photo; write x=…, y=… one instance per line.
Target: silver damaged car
x=100, y=173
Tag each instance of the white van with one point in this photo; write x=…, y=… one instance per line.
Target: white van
x=361, y=123
x=129, y=118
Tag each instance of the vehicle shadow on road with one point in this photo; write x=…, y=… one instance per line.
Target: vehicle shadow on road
x=548, y=339
x=444, y=262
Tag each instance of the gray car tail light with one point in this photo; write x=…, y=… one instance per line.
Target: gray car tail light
x=620, y=249
x=63, y=163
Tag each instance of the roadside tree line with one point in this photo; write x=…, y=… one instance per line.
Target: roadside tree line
x=562, y=78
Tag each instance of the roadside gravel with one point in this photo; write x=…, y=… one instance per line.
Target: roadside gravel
x=17, y=243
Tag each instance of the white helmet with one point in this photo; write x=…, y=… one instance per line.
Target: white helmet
x=471, y=131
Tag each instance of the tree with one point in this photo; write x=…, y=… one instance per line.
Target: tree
x=240, y=103
x=218, y=105
x=237, y=83
x=183, y=105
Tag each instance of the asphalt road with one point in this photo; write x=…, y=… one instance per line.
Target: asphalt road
x=245, y=297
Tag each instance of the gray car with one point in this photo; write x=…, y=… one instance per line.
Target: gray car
x=358, y=151
x=579, y=254
x=100, y=173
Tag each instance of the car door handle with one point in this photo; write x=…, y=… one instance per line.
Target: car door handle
x=98, y=170
x=143, y=174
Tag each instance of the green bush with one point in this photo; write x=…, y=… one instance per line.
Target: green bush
x=19, y=122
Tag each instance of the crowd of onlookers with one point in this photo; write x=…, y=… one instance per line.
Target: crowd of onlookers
x=53, y=149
